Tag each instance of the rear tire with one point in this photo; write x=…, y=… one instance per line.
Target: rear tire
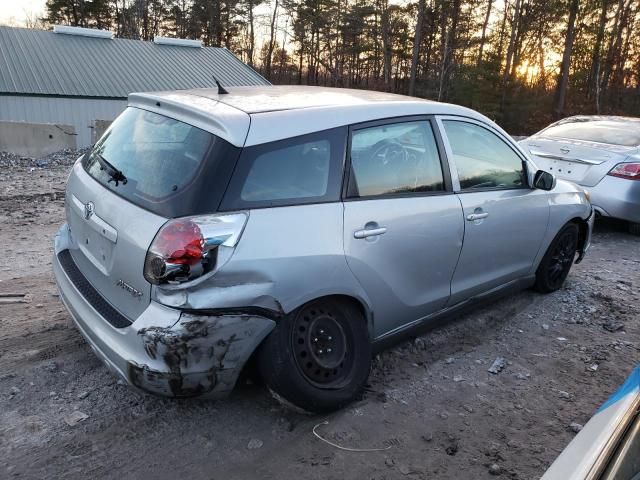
x=556, y=263
x=634, y=228
x=318, y=357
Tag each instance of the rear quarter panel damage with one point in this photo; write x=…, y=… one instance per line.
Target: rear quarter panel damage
x=287, y=256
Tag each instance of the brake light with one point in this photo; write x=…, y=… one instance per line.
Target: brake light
x=185, y=249
x=629, y=171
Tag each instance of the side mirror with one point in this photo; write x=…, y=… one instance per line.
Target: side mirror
x=544, y=180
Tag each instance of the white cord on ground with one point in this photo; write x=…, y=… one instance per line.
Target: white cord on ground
x=346, y=448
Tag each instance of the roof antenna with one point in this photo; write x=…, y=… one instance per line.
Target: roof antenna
x=221, y=89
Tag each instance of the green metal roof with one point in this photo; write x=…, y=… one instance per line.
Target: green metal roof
x=38, y=62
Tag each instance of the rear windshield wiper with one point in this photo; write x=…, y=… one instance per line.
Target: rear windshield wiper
x=115, y=174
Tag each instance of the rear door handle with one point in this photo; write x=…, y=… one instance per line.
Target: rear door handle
x=369, y=232
x=476, y=216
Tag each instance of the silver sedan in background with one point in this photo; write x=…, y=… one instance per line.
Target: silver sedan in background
x=599, y=153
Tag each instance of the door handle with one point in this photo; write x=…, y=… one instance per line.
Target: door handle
x=369, y=232
x=476, y=216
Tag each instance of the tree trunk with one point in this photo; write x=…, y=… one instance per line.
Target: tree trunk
x=272, y=41
x=510, y=49
x=417, y=39
x=252, y=36
x=614, y=40
x=386, y=45
x=597, y=50
x=563, y=78
x=484, y=32
x=443, y=66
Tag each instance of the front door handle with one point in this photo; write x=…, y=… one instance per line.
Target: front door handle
x=369, y=232
x=476, y=216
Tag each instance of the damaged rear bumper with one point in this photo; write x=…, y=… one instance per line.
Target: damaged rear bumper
x=200, y=355
x=166, y=351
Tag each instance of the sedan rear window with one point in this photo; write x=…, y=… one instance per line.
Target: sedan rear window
x=161, y=164
x=602, y=131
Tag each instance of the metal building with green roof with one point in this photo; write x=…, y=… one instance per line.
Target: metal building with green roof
x=77, y=76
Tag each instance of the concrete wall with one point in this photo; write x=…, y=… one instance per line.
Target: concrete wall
x=81, y=113
x=99, y=127
x=35, y=139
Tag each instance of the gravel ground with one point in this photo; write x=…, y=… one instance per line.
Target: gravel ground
x=431, y=403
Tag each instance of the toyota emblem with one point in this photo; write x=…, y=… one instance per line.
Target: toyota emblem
x=89, y=208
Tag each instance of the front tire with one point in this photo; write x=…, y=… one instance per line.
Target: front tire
x=318, y=357
x=556, y=263
x=634, y=228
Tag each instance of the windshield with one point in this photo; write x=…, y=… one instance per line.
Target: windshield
x=161, y=164
x=602, y=131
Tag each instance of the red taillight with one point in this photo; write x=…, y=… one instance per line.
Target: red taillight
x=188, y=248
x=179, y=242
x=630, y=171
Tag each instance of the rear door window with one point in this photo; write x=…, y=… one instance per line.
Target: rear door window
x=300, y=170
x=395, y=158
x=171, y=168
x=483, y=160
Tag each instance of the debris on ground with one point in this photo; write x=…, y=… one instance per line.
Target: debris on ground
x=575, y=427
x=254, y=443
x=613, y=326
x=498, y=364
x=75, y=418
x=65, y=157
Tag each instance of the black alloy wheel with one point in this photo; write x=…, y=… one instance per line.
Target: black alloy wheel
x=554, y=267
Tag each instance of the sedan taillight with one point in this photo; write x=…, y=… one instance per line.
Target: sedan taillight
x=185, y=249
x=629, y=171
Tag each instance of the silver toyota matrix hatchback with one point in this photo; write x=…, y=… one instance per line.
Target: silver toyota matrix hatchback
x=301, y=227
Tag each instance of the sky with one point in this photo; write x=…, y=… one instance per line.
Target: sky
x=14, y=12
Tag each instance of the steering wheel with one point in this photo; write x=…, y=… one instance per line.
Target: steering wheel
x=388, y=152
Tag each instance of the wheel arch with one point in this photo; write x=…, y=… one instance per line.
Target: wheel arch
x=359, y=303
x=583, y=235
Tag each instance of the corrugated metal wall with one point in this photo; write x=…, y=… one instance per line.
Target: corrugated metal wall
x=79, y=112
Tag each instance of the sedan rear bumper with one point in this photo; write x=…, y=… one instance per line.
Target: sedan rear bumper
x=617, y=198
x=165, y=351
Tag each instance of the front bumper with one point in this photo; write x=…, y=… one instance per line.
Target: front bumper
x=617, y=198
x=166, y=351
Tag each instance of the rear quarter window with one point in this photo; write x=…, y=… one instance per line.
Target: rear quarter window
x=300, y=170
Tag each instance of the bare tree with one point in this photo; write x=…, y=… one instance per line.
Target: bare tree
x=563, y=77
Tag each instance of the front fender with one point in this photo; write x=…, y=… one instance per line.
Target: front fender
x=568, y=202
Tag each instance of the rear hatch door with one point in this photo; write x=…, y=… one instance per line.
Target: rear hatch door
x=112, y=236
x=146, y=169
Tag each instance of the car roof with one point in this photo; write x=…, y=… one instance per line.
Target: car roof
x=253, y=115
x=292, y=97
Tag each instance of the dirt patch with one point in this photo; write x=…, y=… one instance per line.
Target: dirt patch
x=431, y=399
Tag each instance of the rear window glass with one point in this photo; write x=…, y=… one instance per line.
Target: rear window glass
x=601, y=131
x=170, y=167
x=304, y=169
